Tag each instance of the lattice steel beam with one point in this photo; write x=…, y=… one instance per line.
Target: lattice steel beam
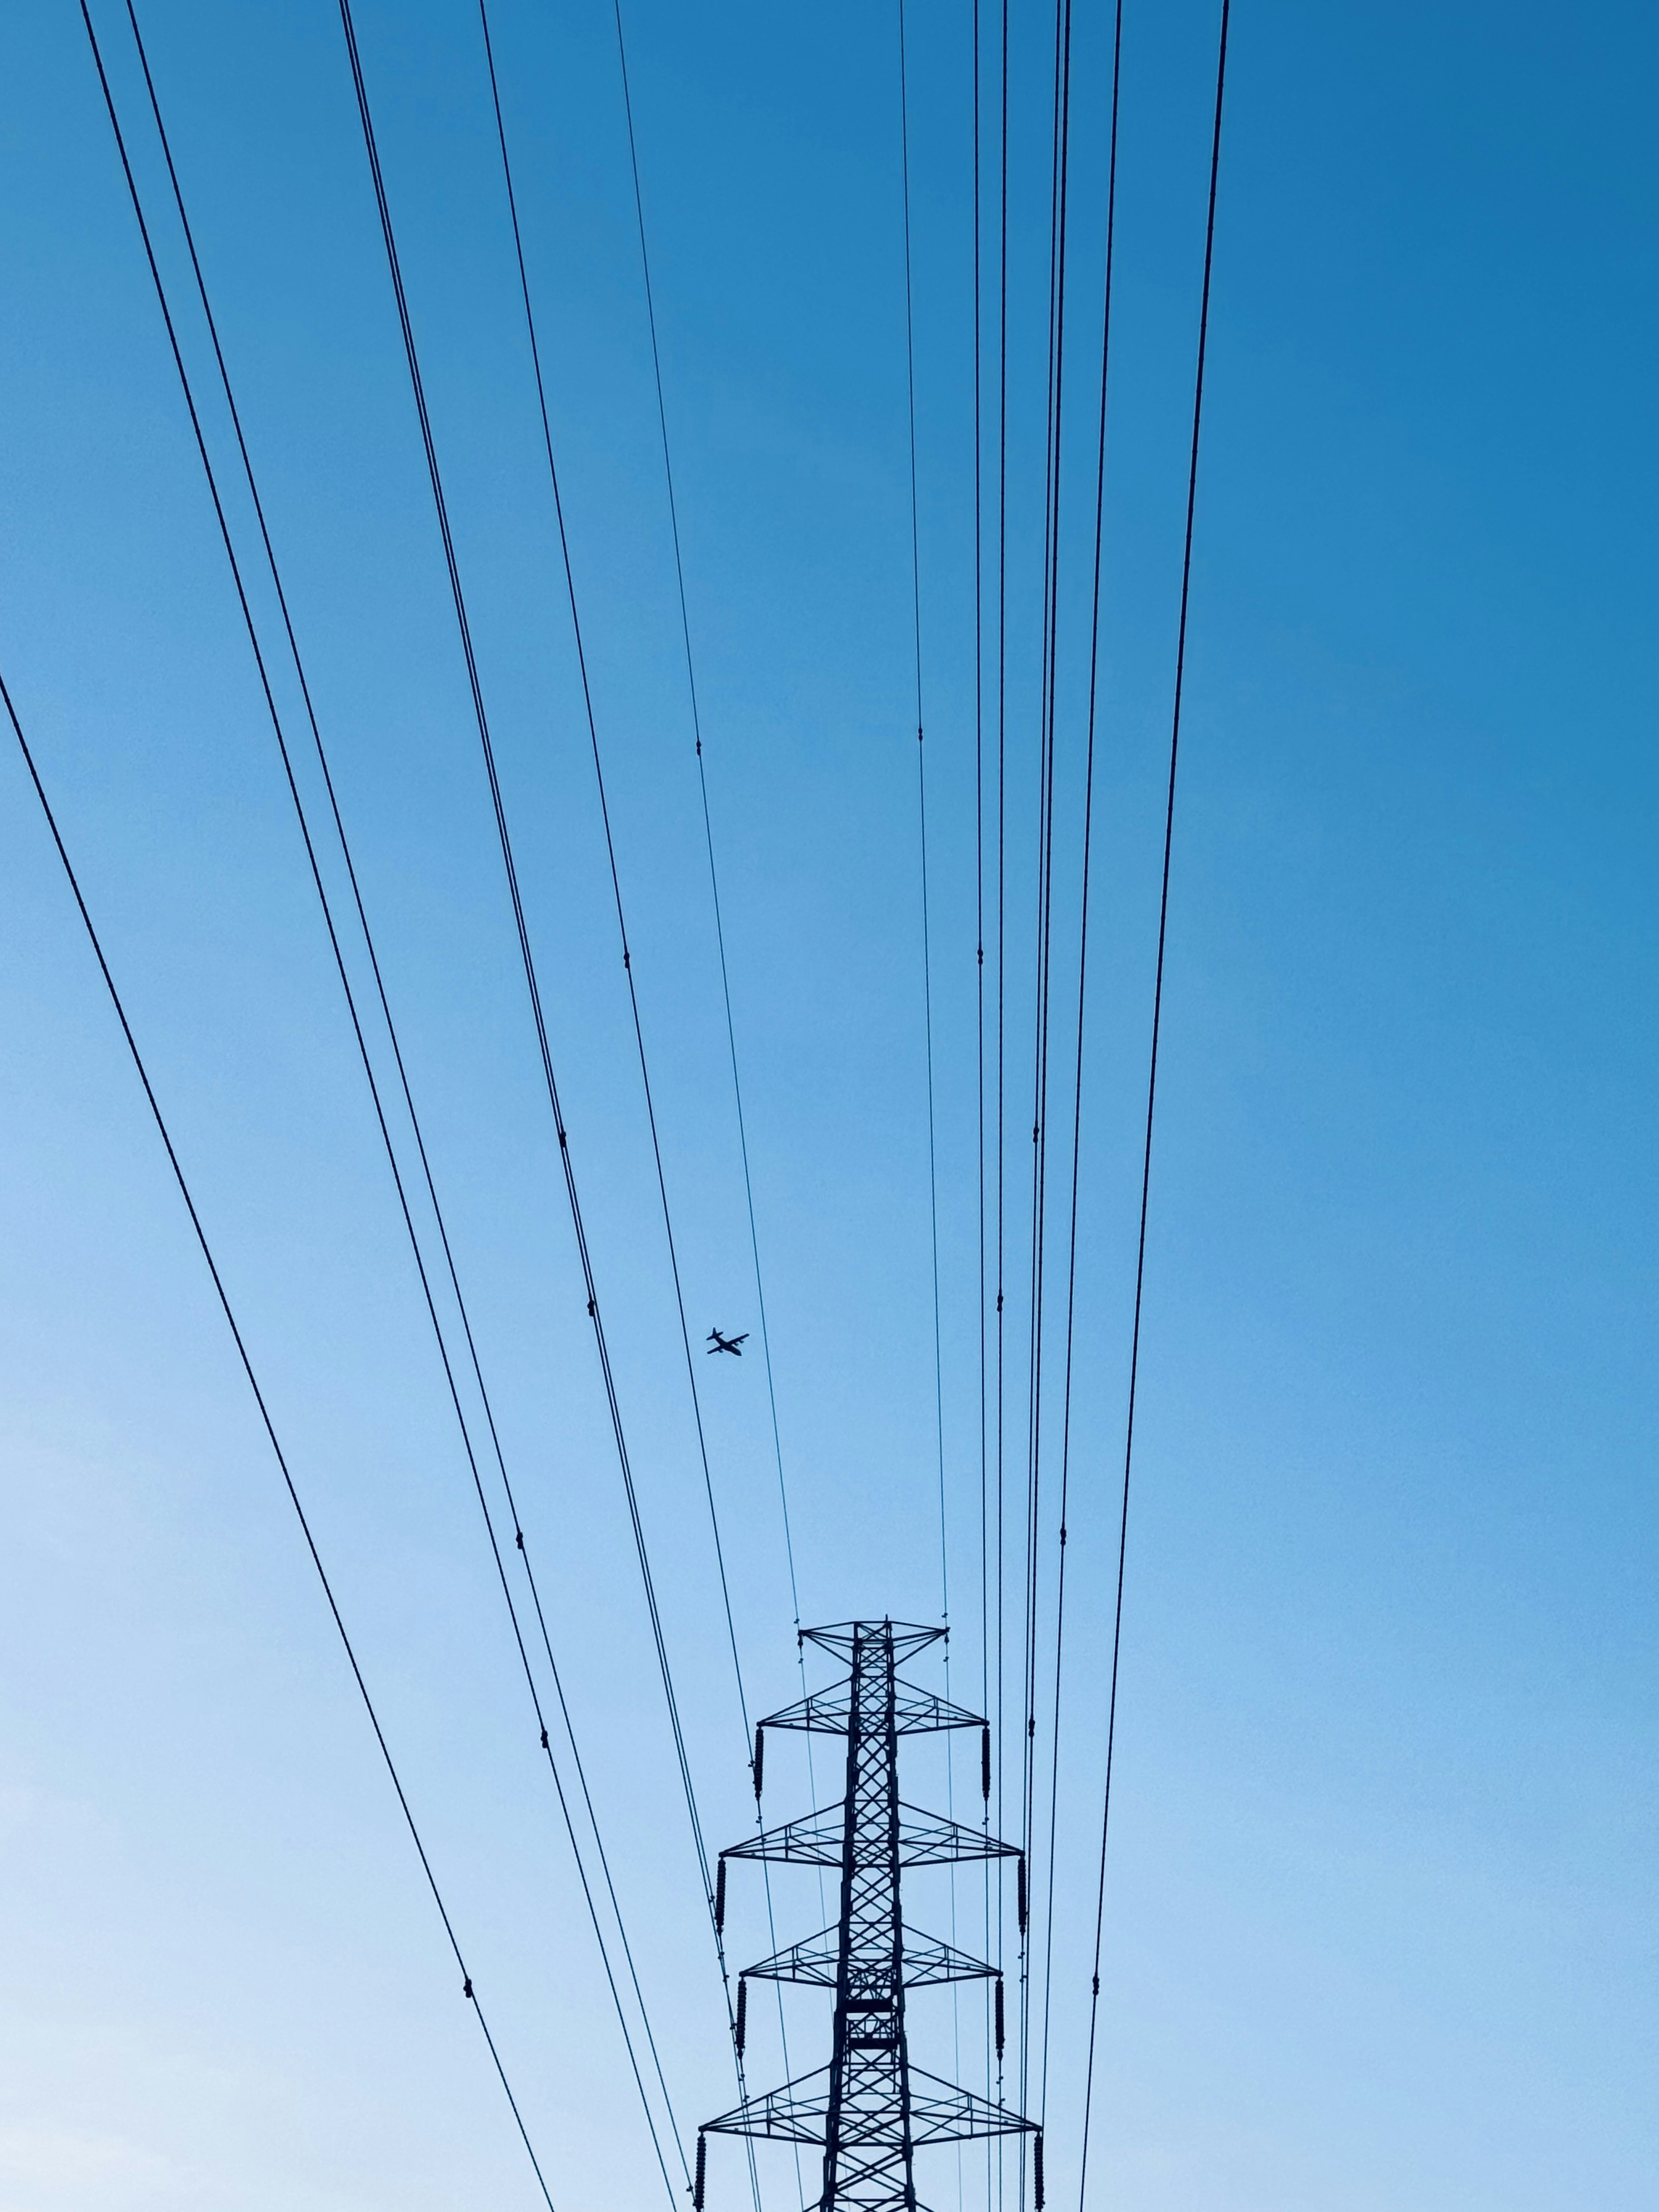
x=869, y=2108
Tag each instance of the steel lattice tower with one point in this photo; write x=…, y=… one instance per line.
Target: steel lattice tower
x=870, y=2108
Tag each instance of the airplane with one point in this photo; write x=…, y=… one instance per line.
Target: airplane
x=732, y=1343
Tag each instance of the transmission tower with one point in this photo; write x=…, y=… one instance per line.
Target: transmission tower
x=870, y=2108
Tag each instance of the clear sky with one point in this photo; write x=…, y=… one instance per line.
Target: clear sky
x=1381, y=1927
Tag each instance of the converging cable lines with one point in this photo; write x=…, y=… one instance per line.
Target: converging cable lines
x=615, y=885
x=926, y=959
x=1057, y=277
x=922, y=799
x=720, y=942
x=521, y=926
x=991, y=2147
x=374, y=1091
x=709, y=826
x=695, y=703
x=532, y=985
x=611, y=855
x=467, y=1989
x=1077, y=1091
x=1001, y=1023
x=1151, y=1085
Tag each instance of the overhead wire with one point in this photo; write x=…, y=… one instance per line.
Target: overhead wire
x=1001, y=1023
x=1082, y=1003
x=922, y=800
x=615, y=881
x=978, y=1032
x=708, y=844
x=1045, y=897
x=533, y=989
x=611, y=855
x=1052, y=520
x=520, y=923
x=361, y=1042
x=927, y=962
x=468, y=1989
x=979, y=927
x=1151, y=1087
x=694, y=698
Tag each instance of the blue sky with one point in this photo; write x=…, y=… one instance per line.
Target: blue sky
x=1379, y=1925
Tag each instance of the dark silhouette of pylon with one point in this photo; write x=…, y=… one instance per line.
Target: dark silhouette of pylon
x=870, y=2108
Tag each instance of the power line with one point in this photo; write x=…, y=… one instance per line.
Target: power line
x=927, y=953
x=1057, y=274
x=693, y=699
x=527, y=959
x=709, y=830
x=610, y=851
x=979, y=908
x=1002, y=911
x=719, y=924
x=615, y=881
x=304, y=824
x=1082, y=978
x=1151, y=1077
x=467, y=1989
x=592, y=1301
x=991, y=2147
x=922, y=800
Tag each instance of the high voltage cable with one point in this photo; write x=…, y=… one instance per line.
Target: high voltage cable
x=520, y=1539
x=1151, y=1077
x=1002, y=791
x=527, y=957
x=1057, y=273
x=927, y=962
x=991, y=2147
x=610, y=854
x=532, y=985
x=465, y=1319
x=708, y=844
x=467, y=1989
x=386, y=1141
x=979, y=919
x=921, y=799
x=979, y=927
x=731, y=1025
x=1077, y=1094
x=708, y=820
x=695, y=703
x=615, y=881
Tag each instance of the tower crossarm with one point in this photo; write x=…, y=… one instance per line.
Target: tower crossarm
x=939, y=2112
x=924, y=1839
x=929, y=1839
x=915, y=1712
x=796, y=2112
x=814, y=1840
x=903, y=1639
x=927, y=1962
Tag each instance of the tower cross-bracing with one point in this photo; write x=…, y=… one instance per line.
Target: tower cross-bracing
x=870, y=2108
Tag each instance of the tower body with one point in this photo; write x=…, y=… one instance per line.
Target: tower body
x=868, y=2154
x=870, y=2109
